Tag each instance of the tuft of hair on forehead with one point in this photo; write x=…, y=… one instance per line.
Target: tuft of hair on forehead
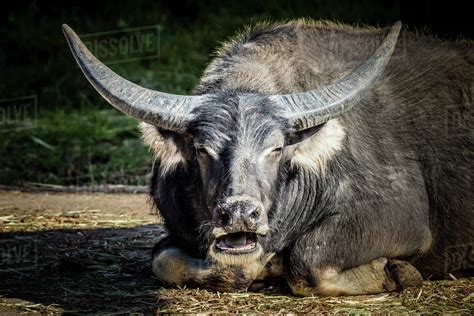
x=234, y=117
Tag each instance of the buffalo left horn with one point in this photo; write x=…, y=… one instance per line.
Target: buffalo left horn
x=307, y=109
x=165, y=110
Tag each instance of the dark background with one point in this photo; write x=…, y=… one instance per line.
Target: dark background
x=78, y=139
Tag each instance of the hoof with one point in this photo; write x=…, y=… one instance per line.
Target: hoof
x=404, y=274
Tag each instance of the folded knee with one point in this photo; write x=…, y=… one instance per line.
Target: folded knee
x=170, y=266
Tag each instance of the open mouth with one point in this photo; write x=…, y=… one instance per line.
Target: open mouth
x=237, y=242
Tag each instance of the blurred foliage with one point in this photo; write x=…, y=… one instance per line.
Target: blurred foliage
x=79, y=138
x=75, y=147
x=37, y=60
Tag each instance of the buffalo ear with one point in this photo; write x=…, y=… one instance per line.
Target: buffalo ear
x=295, y=137
x=170, y=148
x=181, y=141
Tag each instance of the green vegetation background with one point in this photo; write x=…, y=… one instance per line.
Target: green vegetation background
x=79, y=139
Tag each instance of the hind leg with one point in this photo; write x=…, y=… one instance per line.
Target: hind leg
x=344, y=256
x=380, y=275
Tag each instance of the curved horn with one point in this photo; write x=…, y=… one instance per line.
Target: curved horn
x=311, y=108
x=164, y=110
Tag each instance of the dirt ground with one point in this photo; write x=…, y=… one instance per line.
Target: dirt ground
x=84, y=253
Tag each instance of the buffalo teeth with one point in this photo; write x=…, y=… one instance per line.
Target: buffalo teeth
x=237, y=242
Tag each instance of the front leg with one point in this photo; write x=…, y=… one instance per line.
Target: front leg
x=174, y=267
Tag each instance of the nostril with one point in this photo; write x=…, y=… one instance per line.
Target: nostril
x=226, y=220
x=254, y=214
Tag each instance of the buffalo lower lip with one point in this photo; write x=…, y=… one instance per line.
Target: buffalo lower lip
x=240, y=242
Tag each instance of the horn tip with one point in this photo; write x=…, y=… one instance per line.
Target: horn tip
x=67, y=30
x=397, y=25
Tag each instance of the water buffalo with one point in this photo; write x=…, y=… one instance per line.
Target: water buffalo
x=336, y=157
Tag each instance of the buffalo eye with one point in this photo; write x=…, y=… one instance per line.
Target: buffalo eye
x=202, y=151
x=276, y=152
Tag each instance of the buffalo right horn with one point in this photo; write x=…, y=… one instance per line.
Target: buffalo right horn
x=164, y=110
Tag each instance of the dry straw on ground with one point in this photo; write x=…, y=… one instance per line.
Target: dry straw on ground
x=85, y=253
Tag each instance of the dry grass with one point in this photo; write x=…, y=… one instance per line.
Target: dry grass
x=439, y=296
x=63, y=254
